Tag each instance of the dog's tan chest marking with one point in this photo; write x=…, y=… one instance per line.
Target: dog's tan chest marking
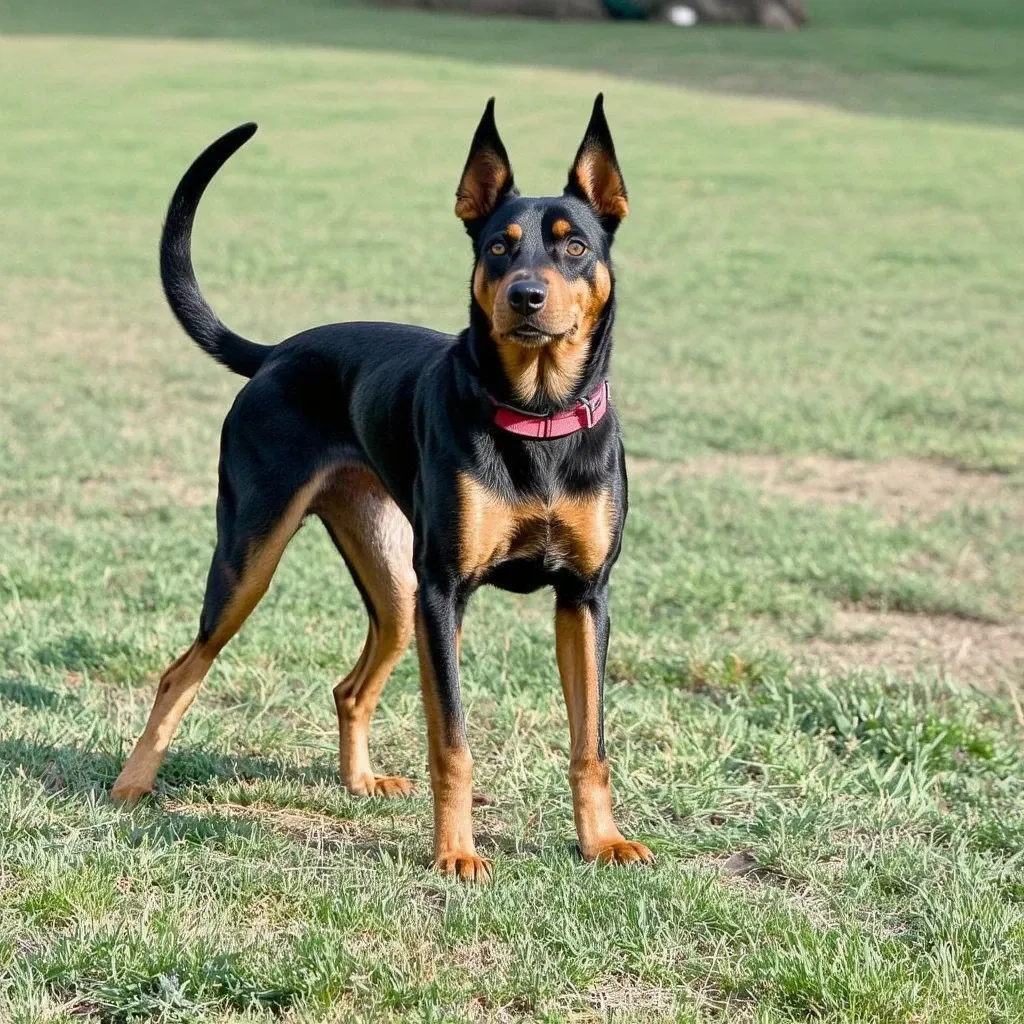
x=573, y=531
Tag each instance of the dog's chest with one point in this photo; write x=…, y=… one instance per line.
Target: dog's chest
x=563, y=531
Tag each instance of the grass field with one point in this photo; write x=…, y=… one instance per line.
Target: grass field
x=818, y=616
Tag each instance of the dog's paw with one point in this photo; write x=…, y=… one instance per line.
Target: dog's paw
x=380, y=785
x=127, y=794
x=391, y=785
x=622, y=851
x=468, y=866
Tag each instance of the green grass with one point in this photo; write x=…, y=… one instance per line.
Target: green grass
x=838, y=277
x=927, y=58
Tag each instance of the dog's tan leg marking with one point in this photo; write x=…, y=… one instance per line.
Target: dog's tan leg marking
x=377, y=541
x=577, y=653
x=177, y=689
x=180, y=683
x=451, y=779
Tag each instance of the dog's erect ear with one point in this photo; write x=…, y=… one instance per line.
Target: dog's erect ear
x=595, y=176
x=487, y=178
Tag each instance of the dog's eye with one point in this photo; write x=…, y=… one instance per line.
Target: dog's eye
x=575, y=248
x=498, y=249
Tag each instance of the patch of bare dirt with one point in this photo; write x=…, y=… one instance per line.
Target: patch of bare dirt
x=986, y=654
x=898, y=488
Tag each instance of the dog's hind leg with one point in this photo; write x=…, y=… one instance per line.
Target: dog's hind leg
x=375, y=539
x=247, y=555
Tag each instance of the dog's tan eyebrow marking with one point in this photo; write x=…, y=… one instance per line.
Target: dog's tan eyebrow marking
x=561, y=228
x=514, y=232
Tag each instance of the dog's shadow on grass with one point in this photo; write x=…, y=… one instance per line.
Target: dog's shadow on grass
x=214, y=828
x=75, y=772
x=28, y=695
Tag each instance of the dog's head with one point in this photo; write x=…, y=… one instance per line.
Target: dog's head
x=542, y=280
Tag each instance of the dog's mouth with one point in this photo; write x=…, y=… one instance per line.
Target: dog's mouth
x=531, y=335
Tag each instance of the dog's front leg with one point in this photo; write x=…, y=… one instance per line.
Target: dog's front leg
x=438, y=629
x=581, y=638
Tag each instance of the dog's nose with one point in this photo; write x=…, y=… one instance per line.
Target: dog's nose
x=527, y=297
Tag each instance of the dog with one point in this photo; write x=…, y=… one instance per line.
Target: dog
x=437, y=463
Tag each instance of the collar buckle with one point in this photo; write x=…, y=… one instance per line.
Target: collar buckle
x=588, y=405
x=592, y=403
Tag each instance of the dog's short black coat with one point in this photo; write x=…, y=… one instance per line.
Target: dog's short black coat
x=387, y=433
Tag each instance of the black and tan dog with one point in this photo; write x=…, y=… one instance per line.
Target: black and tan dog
x=437, y=464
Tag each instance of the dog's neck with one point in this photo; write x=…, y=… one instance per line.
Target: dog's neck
x=543, y=380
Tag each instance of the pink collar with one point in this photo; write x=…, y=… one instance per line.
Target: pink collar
x=585, y=413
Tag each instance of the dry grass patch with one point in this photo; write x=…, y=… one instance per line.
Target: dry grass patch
x=309, y=828
x=623, y=999
x=986, y=654
x=983, y=653
x=899, y=489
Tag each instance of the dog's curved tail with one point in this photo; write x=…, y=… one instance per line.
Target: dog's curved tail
x=179, y=279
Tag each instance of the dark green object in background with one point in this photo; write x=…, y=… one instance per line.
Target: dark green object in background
x=630, y=9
